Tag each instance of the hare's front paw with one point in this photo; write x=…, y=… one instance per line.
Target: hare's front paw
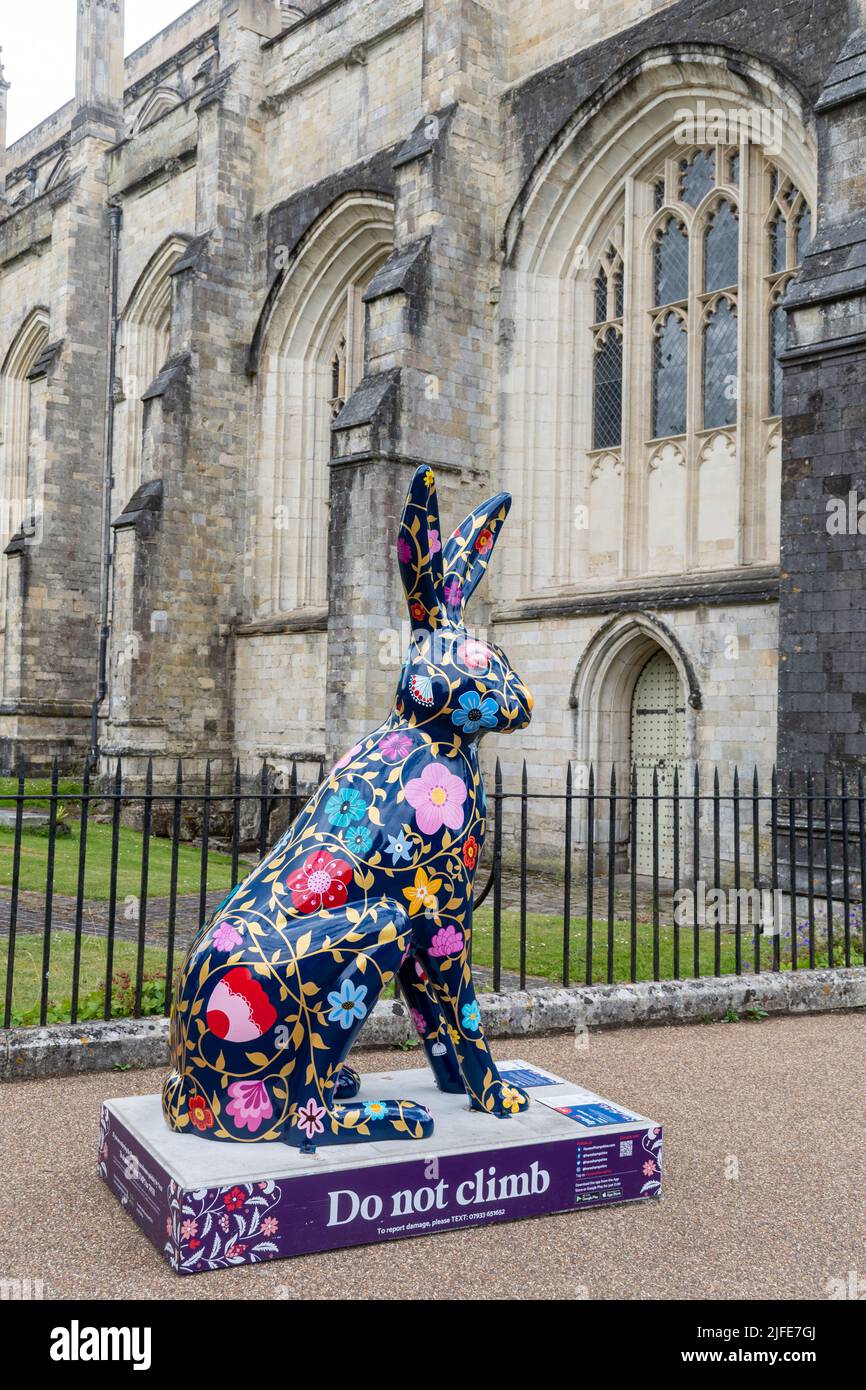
x=502, y=1099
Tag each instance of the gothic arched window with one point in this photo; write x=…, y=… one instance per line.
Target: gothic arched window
x=721, y=248
x=684, y=299
x=789, y=231
x=671, y=263
x=670, y=365
x=609, y=297
x=607, y=391
x=720, y=365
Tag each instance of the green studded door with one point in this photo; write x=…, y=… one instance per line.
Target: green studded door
x=658, y=730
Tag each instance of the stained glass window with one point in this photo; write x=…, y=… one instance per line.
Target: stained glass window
x=659, y=194
x=804, y=233
x=778, y=242
x=778, y=319
x=617, y=297
x=697, y=176
x=600, y=298
x=671, y=270
x=721, y=249
x=720, y=367
x=670, y=358
x=607, y=393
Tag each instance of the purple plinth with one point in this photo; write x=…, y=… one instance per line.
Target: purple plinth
x=207, y=1206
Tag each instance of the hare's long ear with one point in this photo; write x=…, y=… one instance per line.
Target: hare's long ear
x=419, y=551
x=468, y=551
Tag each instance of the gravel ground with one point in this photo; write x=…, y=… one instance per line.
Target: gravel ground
x=782, y=1099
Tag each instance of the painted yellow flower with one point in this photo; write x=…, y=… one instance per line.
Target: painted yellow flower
x=429, y=478
x=422, y=894
x=512, y=1099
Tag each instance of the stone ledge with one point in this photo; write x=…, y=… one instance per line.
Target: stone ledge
x=65, y=1049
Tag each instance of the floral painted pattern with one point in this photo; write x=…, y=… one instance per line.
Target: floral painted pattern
x=475, y=712
x=348, y=1004
x=249, y=1104
x=437, y=797
x=446, y=942
x=372, y=882
x=320, y=882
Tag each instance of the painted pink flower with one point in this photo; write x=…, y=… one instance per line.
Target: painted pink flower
x=395, y=746
x=188, y=1230
x=168, y=1225
x=453, y=593
x=418, y=1020
x=404, y=551
x=347, y=757
x=224, y=1222
x=649, y=1168
x=249, y=1104
x=437, y=797
x=270, y=1226
x=474, y=655
x=234, y=1252
x=447, y=942
x=433, y=540
x=227, y=936
x=310, y=1118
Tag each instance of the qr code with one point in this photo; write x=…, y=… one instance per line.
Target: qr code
x=625, y=1148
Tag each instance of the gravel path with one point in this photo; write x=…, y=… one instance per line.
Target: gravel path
x=783, y=1099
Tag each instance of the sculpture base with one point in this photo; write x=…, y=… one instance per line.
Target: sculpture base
x=207, y=1205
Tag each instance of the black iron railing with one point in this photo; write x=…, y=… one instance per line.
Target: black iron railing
x=105, y=881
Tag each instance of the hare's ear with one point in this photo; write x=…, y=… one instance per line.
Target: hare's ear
x=419, y=551
x=468, y=551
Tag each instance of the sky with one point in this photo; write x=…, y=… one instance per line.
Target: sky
x=38, y=42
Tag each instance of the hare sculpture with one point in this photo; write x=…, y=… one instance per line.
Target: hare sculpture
x=372, y=880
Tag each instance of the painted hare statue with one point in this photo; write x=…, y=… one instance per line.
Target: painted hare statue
x=373, y=879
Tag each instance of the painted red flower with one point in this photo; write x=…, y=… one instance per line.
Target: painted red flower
x=419, y=612
x=235, y=1199
x=200, y=1113
x=470, y=852
x=319, y=882
x=484, y=541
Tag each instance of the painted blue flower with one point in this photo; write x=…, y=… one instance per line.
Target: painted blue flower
x=348, y=1005
x=475, y=712
x=399, y=848
x=471, y=1018
x=375, y=1110
x=345, y=807
x=358, y=839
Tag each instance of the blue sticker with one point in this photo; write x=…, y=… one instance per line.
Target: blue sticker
x=525, y=1076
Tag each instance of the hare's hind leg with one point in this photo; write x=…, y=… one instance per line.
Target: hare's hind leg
x=347, y=1083
x=431, y=1025
x=336, y=985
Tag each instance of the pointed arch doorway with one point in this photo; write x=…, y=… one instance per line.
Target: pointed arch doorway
x=658, y=745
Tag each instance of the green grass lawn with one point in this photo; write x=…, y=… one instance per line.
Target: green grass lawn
x=28, y=978
x=34, y=858
x=544, y=948
x=37, y=790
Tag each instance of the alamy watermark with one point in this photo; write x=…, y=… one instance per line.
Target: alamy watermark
x=724, y=907
x=704, y=124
